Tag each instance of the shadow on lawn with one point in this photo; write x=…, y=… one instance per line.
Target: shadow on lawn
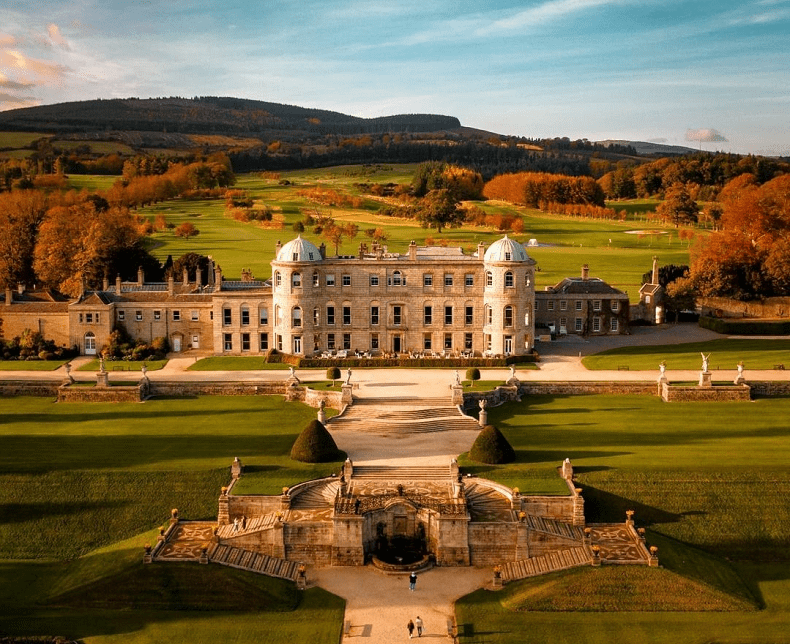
x=604, y=507
x=22, y=512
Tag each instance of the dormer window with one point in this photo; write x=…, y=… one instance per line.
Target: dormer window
x=507, y=256
x=296, y=257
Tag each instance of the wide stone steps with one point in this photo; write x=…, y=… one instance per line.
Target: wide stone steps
x=316, y=497
x=482, y=497
x=404, y=401
x=254, y=524
x=253, y=562
x=555, y=528
x=375, y=425
x=418, y=414
x=406, y=473
x=550, y=562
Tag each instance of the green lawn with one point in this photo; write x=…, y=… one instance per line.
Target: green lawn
x=92, y=182
x=725, y=354
x=84, y=486
x=124, y=365
x=31, y=365
x=236, y=363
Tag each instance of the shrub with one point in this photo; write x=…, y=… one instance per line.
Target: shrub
x=333, y=373
x=315, y=445
x=492, y=447
x=472, y=374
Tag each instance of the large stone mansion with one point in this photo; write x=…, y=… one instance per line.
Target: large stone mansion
x=431, y=299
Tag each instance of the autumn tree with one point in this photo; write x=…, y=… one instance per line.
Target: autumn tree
x=21, y=213
x=463, y=183
x=439, y=209
x=678, y=207
x=186, y=230
x=192, y=262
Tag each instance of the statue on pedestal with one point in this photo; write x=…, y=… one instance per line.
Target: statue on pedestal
x=704, y=362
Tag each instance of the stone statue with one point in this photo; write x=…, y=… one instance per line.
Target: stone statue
x=322, y=404
x=291, y=369
x=348, y=376
x=662, y=367
x=102, y=369
x=67, y=367
x=457, y=378
x=144, y=369
x=704, y=362
x=740, y=369
x=512, y=372
x=483, y=402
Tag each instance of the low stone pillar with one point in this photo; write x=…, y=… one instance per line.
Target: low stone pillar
x=596, y=556
x=704, y=379
x=578, y=508
x=346, y=397
x=285, y=502
x=454, y=471
x=223, y=513
x=457, y=394
x=278, y=541
x=203, y=555
x=497, y=580
x=653, y=560
x=148, y=557
x=236, y=468
x=321, y=415
x=173, y=516
x=103, y=379
x=483, y=418
x=567, y=469
x=301, y=577
x=348, y=469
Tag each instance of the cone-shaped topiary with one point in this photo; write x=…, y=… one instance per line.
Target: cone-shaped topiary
x=473, y=374
x=492, y=447
x=315, y=445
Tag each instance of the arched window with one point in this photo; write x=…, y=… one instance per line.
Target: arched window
x=489, y=314
x=316, y=279
x=527, y=280
x=397, y=279
x=489, y=278
x=277, y=278
x=508, y=280
x=508, y=316
x=296, y=317
x=316, y=316
x=296, y=280
x=526, y=319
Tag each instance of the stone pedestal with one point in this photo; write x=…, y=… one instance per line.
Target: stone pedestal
x=235, y=468
x=483, y=418
x=704, y=379
x=102, y=379
x=458, y=394
x=346, y=398
x=739, y=380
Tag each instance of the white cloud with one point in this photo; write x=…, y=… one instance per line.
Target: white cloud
x=56, y=37
x=543, y=13
x=706, y=135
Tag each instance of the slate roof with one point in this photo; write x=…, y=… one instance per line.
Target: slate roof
x=580, y=286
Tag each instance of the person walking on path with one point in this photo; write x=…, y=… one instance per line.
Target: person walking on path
x=412, y=580
x=410, y=627
x=418, y=624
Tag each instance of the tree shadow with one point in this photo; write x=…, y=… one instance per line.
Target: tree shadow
x=22, y=512
x=601, y=506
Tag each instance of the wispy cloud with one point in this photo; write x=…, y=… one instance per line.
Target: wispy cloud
x=56, y=37
x=542, y=14
x=706, y=135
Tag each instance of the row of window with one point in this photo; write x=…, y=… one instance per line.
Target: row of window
x=578, y=325
x=138, y=315
x=396, y=279
x=614, y=305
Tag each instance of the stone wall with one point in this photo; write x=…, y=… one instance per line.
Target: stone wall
x=496, y=543
x=577, y=388
x=770, y=307
x=174, y=388
x=68, y=393
x=717, y=393
x=333, y=399
x=541, y=543
x=770, y=388
x=252, y=505
x=28, y=388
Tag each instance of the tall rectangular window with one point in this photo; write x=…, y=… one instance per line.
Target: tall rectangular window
x=138, y=315
x=448, y=279
x=578, y=305
x=121, y=316
x=374, y=280
x=374, y=340
x=330, y=340
x=596, y=324
x=614, y=324
x=157, y=315
x=245, y=317
x=330, y=314
x=596, y=305
x=245, y=341
x=469, y=279
x=427, y=317
x=468, y=341
x=469, y=315
x=448, y=314
x=226, y=317
x=426, y=342
x=374, y=314
x=346, y=315
x=615, y=305
x=577, y=325
x=448, y=340
x=346, y=280
x=176, y=315
x=330, y=280
x=346, y=340
x=264, y=316
x=427, y=279
x=227, y=341
x=264, y=341
x=396, y=315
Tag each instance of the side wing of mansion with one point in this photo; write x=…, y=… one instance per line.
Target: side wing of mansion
x=430, y=299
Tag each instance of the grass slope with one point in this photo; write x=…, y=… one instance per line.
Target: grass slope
x=31, y=365
x=725, y=354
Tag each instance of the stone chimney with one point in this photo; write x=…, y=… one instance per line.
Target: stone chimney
x=210, y=272
x=20, y=287
x=9, y=296
x=655, y=270
x=481, y=250
x=198, y=276
x=105, y=284
x=321, y=249
x=140, y=276
x=277, y=249
x=118, y=284
x=413, y=250
x=585, y=272
x=171, y=284
x=185, y=277
x=218, y=277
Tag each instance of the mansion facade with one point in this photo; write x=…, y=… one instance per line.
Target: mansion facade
x=429, y=300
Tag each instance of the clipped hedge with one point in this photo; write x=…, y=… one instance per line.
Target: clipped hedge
x=492, y=447
x=730, y=326
x=315, y=445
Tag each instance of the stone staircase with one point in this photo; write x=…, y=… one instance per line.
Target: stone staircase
x=255, y=524
x=402, y=416
x=253, y=562
x=486, y=503
x=405, y=473
x=555, y=528
x=550, y=562
x=316, y=497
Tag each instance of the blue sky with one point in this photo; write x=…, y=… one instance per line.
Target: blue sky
x=676, y=70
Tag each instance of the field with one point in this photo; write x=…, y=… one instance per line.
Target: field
x=84, y=486
x=724, y=354
x=709, y=481
x=612, y=249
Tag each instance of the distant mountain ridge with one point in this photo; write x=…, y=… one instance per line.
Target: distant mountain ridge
x=647, y=148
x=210, y=115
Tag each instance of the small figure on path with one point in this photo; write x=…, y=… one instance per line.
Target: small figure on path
x=410, y=628
x=243, y=522
x=412, y=580
x=418, y=624
x=704, y=362
x=236, y=524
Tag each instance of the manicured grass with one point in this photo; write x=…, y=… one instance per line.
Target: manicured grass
x=16, y=140
x=482, y=385
x=236, y=363
x=725, y=354
x=92, y=182
x=31, y=365
x=124, y=365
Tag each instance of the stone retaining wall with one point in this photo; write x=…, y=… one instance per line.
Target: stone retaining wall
x=135, y=393
x=28, y=388
x=175, y=388
x=496, y=543
x=770, y=388
x=576, y=388
x=717, y=393
x=252, y=505
x=333, y=399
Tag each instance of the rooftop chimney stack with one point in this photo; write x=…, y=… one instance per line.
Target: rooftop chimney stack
x=140, y=276
x=655, y=270
x=585, y=272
